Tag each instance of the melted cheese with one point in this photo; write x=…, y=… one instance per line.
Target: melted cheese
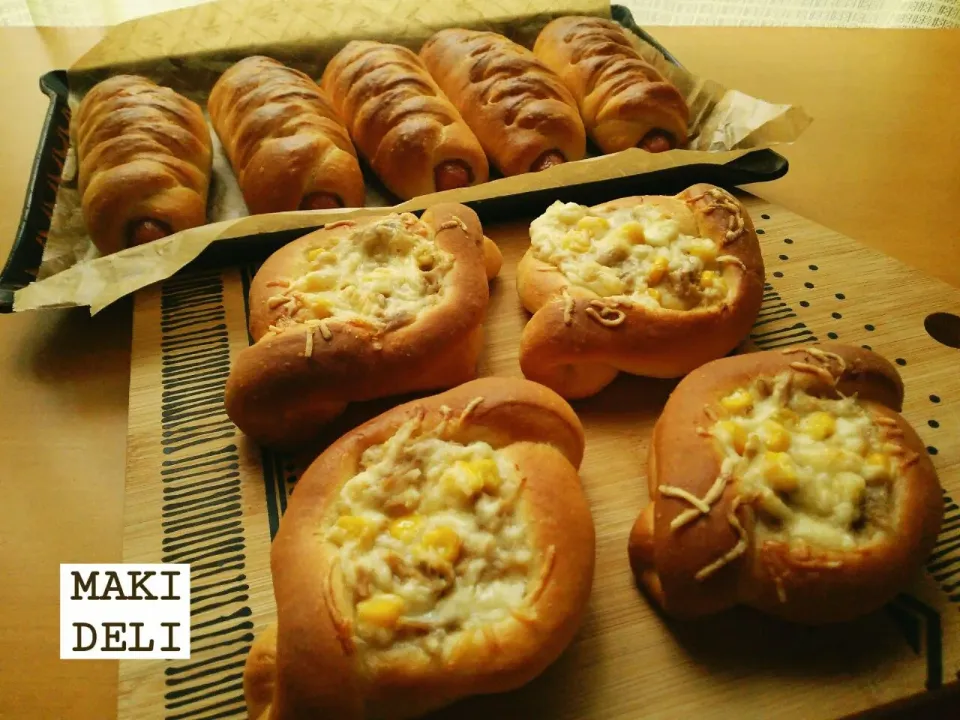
x=381, y=275
x=818, y=470
x=637, y=253
x=430, y=539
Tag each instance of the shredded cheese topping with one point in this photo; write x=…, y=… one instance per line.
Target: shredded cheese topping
x=723, y=200
x=637, y=255
x=380, y=276
x=819, y=471
x=431, y=539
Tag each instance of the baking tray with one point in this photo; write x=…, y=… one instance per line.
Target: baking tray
x=26, y=252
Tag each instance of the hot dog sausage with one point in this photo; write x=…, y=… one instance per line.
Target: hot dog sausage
x=144, y=231
x=547, y=160
x=451, y=174
x=656, y=141
x=320, y=201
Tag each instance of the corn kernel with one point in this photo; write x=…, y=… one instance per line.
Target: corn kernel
x=654, y=293
x=607, y=283
x=406, y=529
x=739, y=401
x=706, y=251
x=576, y=242
x=779, y=471
x=819, y=425
x=658, y=269
x=383, y=610
x=876, y=467
x=737, y=434
x=633, y=232
x=320, y=308
x=462, y=480
x=320, y=255
x=486, y=469
x=774, y=436
x=786, y=416
x=708, y=278
x=593, y=225
x=444, y=542
x=426, y=259
x=661, y=232
x=356, y=528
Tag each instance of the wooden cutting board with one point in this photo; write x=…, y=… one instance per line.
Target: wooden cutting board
x=198, y=492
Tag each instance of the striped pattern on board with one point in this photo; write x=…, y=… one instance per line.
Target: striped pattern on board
x=944, y=563
x=202, y=511
x=773, y=328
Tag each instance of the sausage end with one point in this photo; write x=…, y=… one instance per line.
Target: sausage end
x=320, y=201
x=548, y=160
x=656, y=141
x=143, y=231
x=452, y=174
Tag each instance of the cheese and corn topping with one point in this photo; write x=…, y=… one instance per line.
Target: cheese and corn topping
x=819, y=471
x=431, y=541
x=380, y=275
x=637, y=254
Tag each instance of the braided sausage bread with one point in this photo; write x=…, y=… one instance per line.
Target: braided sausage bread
x=404, y=125
x=443, y=549
x=285, y=142
x=624, y=101
x=144, y=157
x=360, y=310
x=521, y=112
x=651, y=285
x=786, y=481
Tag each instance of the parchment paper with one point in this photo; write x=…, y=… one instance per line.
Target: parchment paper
x=188, y=50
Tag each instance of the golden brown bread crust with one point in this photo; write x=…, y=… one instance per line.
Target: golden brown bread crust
x=281, y=397
x=284, y=140
x=518, y=108
x=622, y=98
x=815, y=585
x=492, y=258
x=144, y=155
x=399, y=118
x=315, y=670
x=580, y=358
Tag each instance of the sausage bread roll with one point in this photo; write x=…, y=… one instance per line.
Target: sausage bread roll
x=652, y=286
x=358, y=310
x=624, y=101
x=441, y=550
x=787, y=481
x=285, y=142
x=404, y=125
x=144, y=157
x=521, y=112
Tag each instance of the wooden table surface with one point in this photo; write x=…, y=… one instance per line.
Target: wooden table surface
x=881, y=163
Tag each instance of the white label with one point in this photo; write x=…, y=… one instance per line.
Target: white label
x=124, y=612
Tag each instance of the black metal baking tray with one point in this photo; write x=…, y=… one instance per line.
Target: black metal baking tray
x=27, y=250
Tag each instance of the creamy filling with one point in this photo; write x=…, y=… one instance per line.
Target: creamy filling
x=819, y=471
x=637, y=254
x=381, y=275
x=431, y=541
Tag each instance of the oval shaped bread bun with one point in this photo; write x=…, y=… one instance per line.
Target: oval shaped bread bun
x=443, y=549
x=786, y=481
x=650, y=285
x=358, y=310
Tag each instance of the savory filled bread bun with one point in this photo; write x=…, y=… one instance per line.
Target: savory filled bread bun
x=787, y=481
x=441, y=550
x=358, y=310
x=650, y=285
